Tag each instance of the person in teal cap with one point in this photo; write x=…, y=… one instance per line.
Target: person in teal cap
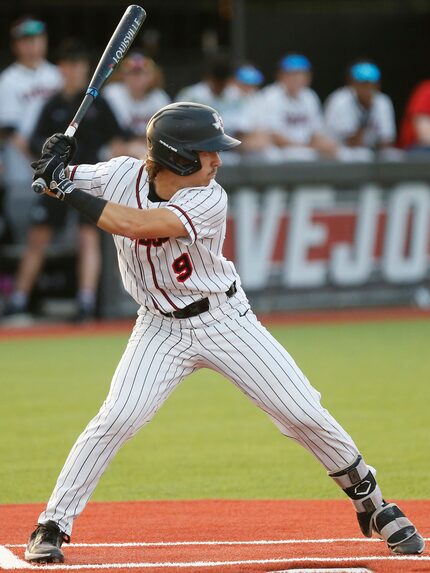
x=25, y=85
x=294, y=114
x=359, y=115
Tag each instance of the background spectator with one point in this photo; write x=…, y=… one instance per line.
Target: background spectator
x=415, y=126
x=251, y=124
x=294, y=113
x=99, y=129
x=136, y=98
x=218, y=90
x=358, y=115
x=24, y=87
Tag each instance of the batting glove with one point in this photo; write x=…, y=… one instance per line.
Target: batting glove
x=62, y=145
x=51, y=169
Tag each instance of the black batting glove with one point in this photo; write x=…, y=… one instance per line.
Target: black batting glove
x=44, y=167
x=62, y=145
x=51, y=169
x=61, y=184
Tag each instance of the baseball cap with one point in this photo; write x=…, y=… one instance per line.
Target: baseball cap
x=249, y=75
x=365, y=72
x=27, y=27
x=295, y=63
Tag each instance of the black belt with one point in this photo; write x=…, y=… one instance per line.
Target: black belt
x=197, y=307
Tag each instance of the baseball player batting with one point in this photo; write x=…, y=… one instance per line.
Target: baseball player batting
x=167, y=216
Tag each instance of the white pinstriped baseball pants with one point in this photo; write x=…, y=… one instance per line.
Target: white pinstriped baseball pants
x=160, y=353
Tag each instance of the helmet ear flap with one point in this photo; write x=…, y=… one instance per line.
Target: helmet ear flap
x=182, y=163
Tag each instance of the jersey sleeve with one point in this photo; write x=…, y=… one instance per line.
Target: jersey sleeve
x=104, y=179
x=89, y=177
x=202, y=211
x=112, y=94
x=10, y=108
x=340, y=117
x=315, y=113
x=387, y=122
x=272, y=104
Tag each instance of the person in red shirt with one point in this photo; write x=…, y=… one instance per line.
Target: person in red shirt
x=415, y=126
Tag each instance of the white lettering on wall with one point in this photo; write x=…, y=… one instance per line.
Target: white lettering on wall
x=257, y=219
x=400, y=256
x=405, y=257
x=352, y=264
x=303, y=234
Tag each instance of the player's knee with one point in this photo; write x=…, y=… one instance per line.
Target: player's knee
x=117, y=418
x=302, y=421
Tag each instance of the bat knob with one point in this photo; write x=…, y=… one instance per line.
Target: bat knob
x=38, y=186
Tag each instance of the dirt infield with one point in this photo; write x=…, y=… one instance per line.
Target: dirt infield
x=216, y=536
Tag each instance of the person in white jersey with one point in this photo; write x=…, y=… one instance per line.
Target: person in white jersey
x=217, y=89
x=136, y=98
x=359, y=116
x=294, y=114
x=168, y=220
x=250, y=124
x=25, y=86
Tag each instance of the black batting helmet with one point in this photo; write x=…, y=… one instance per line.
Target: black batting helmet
x=177, y=132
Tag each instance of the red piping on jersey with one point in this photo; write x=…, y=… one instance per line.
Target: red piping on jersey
x=72, y=174
x=187, y=218
x=136, y=248
x=137, y=186
x=148, y=251
x=154, y=278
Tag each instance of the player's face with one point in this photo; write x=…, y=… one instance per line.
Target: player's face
x=210, y=161
x=75, y=74
x=295, y=81
x=30, y=49
x=139, y=81
x=365, y=91
x=246, y=89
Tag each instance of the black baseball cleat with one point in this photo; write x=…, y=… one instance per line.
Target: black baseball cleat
x=392, y=525
x=44, y=544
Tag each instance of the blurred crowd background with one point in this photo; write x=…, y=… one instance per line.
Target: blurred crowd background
x=309, y=81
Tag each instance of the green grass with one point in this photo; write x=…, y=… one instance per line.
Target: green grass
x=208, y=441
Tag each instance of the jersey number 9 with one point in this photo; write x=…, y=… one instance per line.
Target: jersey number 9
x=182, y=267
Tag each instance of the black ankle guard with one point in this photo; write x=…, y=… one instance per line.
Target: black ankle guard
x=359, y=484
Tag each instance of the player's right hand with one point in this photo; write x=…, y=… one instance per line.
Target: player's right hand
x=62, y=145
x=51, y=169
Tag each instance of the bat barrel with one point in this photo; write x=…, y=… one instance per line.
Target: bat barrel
x=118, y=45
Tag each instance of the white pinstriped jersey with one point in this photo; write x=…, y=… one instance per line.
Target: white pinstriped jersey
x=23, y=91
x=166, y=274
x=134, y=114
x=344, y=115
x=297, y=118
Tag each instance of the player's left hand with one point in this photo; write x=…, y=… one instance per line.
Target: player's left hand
x=62, y=145
x=51, y=169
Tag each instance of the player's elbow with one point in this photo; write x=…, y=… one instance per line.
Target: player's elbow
x=124, y=226
x=135, y=224
x=134, y=230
